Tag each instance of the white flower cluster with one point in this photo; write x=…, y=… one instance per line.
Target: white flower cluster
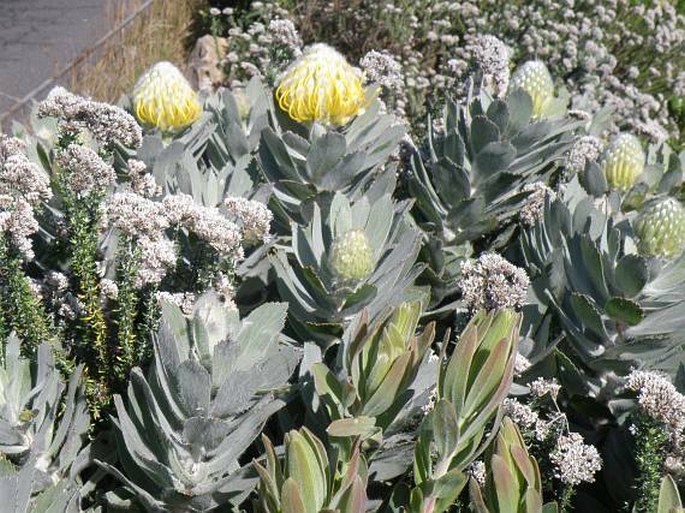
x=264, y=48
x=478, y=472
x=18, y=175
x=494, y=58
x=57, y=296
x=109, y=289
x=23, y=185
x=592, y=45
x=492, y=283
x=208, y=224
x=285, y=35
x=108, y=124
x=146, y=221
x=541, y=387
x=383, y=69
x=521, y=364
x=574, y=461
x=253, y=217
x=57, y=280
x=224, y=287
x=135, y=215
x=529, y=421
x=86, y=172
x=659, y=399
x=18, y=224
x=533, y=210
x=585, y=149
x=523, y=415
x=142, y=182
x=157, y=257
x=184, y=300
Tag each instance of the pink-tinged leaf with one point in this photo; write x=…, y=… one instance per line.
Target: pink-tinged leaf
x=488, y=378
x=354, y=500
x=456, y=374
x=363, y=427
x=445, y=428
x=477, y=497
x=506, y=486
x=533, y=500
x=524, y=464
x=291, y=500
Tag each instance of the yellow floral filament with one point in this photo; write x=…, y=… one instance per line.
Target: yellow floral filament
x=321, y=86
x=163, y=98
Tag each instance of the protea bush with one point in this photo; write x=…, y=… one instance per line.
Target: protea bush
x=279, y=298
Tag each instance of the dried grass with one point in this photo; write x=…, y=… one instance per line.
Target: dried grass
x=163, y=31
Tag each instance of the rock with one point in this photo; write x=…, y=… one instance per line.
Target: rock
x=204, y=62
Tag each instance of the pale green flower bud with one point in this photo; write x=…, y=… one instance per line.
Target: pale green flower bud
x=623, y=162
x=351, y=256
x=533, y=77
x=660, y=229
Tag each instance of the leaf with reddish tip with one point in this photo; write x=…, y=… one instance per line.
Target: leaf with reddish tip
x=291, y=499
x=364, y=427
x=506, y=485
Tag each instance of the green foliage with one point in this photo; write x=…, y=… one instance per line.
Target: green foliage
x=214, y=384
x=20, y=310
x=468, y=180
x=325, y=339
x=128, y=299
x=302, y=161
x=44, y=428
x=649, y=455
x=317, y=297
x=374, y=390
x=305, y=481
x=472, y=384
x=513, y=482
x=615, y=307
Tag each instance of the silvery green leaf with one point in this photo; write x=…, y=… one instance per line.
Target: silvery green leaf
x=498, y=113
x=324, y=154
x=520, y=108
x=594, y=181
x=209, y=326
x=483, y=132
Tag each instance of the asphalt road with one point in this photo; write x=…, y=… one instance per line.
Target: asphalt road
x=38, y=39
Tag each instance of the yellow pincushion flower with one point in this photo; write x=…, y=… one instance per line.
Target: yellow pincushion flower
x=163, y=98
x=321, y=86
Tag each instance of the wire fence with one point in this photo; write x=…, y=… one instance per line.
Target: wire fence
x=21, y=108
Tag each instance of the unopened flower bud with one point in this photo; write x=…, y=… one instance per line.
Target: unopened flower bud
x=660, y=228
x=351, y=257
x=534, y=78
x=623, y=162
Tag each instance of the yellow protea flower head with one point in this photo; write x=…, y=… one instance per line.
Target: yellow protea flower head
x=534, y=78
x=321, y=86
x=163, y=98
x=623, y=161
